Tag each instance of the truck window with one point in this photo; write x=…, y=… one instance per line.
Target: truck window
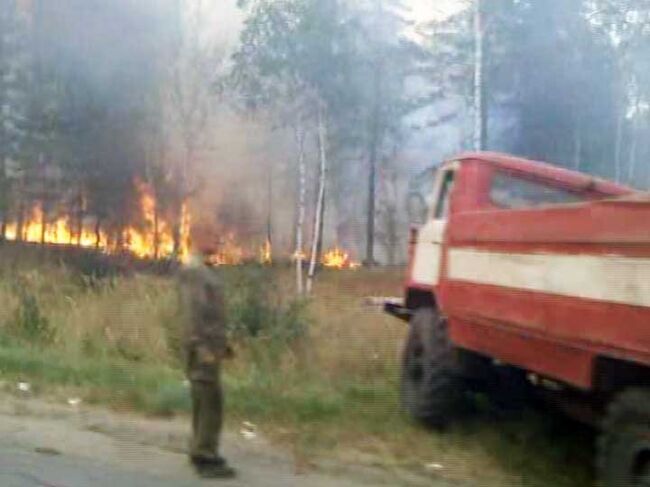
x=442, y=205
x=512, y=192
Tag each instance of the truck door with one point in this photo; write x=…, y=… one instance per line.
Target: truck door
x=428, y=249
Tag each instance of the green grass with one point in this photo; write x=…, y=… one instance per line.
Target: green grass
x=115, y=382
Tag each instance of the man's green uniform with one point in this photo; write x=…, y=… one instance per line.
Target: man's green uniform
x=205, y=344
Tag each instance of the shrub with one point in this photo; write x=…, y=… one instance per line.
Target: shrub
x=30, y=324
x=257, y=309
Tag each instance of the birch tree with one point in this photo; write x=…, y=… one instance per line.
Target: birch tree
x=288, y=64
x=318, y=214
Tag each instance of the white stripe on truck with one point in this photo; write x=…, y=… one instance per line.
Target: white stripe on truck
x=608, y=278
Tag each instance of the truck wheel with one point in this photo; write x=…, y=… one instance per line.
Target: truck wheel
x=624, y=445
x=430, y=388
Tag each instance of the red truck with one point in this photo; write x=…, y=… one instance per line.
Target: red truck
x=528, y=273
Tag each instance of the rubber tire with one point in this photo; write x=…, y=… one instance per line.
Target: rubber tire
x=624, y=444
x=430, y=385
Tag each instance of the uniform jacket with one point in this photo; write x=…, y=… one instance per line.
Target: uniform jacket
x=204, y=320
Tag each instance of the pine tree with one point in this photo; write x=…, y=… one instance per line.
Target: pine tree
x=14, y=72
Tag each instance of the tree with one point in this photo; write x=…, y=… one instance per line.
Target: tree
x=290, y=64
x=551, y=93
x=195, y=65
x=627, y=24
x=480, y=111
x=13, y=99
x=384, y=63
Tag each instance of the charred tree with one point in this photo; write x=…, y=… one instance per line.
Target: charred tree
x=373, y=150
x=98, y=233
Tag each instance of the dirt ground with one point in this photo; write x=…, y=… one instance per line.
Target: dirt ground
x=48, y=444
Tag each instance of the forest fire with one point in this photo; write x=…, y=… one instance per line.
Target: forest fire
x=153, y=238
x=337, y=258
x=229, y=252
x=266, y=252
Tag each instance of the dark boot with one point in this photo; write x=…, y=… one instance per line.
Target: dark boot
x=216, y=468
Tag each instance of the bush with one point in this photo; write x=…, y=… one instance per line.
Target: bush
x=258, y=310
x=30, y=324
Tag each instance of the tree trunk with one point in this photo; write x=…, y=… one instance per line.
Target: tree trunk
x=300, y=141
x=80, y=217
x=20, y=223
x=321, y=229
x=372, y=194
x=119, y=241
x=43, y=222
x=177, y=230
x=156, y=232
x=392, y=230
x=577, y=145
x=319, y=244
x=98, y=233
x=322, y=139
x=372, y=170
x=269, y=215
x=634, y=143
x=618, y=147
x=4, y=197
x=480, y=113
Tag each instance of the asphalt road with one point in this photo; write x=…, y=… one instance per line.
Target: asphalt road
x=21, y=468
x=49, y=445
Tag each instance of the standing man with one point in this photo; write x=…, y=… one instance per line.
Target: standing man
x=204, y=321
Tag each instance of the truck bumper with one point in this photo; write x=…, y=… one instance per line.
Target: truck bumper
x=395, y=307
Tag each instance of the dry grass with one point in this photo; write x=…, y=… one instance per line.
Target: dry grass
x=124, y=316
x=355, y=341
x=330, y=391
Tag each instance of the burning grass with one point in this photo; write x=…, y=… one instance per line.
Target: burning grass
x=319, y=376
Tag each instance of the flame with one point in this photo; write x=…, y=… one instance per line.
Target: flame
x=337, y=258
x=154, y=238
x=229, y=253
x=36, y=229
x=266, y=252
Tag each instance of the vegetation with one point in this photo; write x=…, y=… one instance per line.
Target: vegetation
x=319, y=377
x=341, y=91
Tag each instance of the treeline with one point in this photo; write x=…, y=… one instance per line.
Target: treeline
x=566, y=81
x=98, y=98
x=84, y=114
